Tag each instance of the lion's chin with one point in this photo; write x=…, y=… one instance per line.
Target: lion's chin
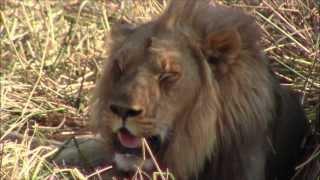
x=130, y=163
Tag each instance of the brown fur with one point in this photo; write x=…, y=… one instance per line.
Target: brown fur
x=219, y=111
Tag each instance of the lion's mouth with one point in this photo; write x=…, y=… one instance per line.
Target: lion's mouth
x=128, y=140
x=127, y=143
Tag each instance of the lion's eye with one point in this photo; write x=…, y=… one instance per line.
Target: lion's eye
x=118, y=66
x=169, y=77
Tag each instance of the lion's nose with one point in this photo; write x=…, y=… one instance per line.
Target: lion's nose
x=125, y=112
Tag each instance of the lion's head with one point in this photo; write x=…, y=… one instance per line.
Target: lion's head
x=179, y=81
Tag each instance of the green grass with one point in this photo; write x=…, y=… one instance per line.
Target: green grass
x=52, y=52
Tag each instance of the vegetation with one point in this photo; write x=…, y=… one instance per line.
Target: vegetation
x=51, y=54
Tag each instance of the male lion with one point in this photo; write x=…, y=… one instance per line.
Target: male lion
x=195, y=84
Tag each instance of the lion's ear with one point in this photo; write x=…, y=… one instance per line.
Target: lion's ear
x=223, y=46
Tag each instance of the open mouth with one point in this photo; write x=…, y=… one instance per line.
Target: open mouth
x=128, y=140
x=127, y=143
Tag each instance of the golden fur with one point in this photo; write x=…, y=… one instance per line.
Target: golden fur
x=218, y=105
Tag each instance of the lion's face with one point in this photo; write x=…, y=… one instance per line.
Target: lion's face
x=197, y=89
x=148, y=83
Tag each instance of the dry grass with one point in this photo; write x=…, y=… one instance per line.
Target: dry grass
x=51, y=54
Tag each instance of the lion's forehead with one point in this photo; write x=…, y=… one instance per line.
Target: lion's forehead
x=161, y=55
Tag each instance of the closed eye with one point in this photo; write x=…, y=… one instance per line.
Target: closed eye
x=169, y=77
x=118, y=65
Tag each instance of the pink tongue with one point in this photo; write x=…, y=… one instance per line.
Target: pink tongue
x=129, y=141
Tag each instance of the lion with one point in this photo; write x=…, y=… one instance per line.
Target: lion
x=196, y=85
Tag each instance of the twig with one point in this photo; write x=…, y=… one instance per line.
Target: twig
x=145, y=143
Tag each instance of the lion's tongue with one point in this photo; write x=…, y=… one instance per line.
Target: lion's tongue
x=128, y=140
